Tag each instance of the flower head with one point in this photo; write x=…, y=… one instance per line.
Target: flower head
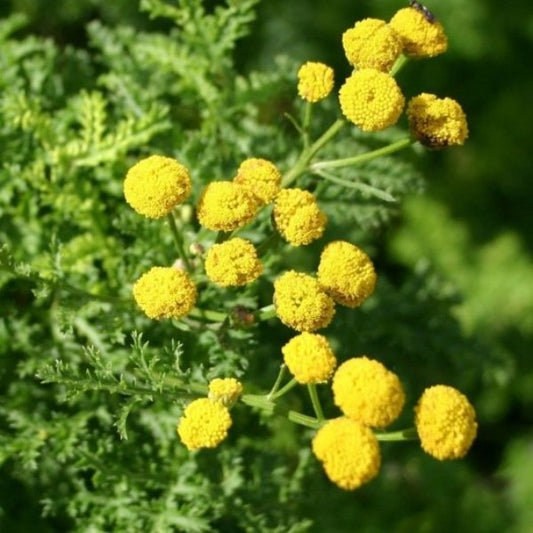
x=420, y=36
x=204, y=424
x=315, y=81
x=367, y=392
x=225, y=390
x=309, y=358
x=225, y=206
x=233, y=263
x=300, y=302
x=155, y=185
x=371, y=99
x=297, y=217
x=349, y=452
x=372, y=43
x=446, y=422
x=437, y=122
x=165, y=292
x=260, y=177
x=346, y=273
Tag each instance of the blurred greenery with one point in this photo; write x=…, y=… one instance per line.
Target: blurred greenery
x=455, y=304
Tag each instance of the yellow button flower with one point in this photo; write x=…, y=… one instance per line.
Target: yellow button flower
x=437, y=122
x=155, y=185
x=315, y=81
x=225, y=390
x=372, y=43
x=165, y=292
x=420, y=36
x=226, y=206
x=300, y=302
x=367, y=392
x=446, y=422
x=346, y=273
x=260, y=177
x=371, y=99
x=233, y=263
x=204, y=424
x=297, y=217
x=309, y=358
x=349, y=452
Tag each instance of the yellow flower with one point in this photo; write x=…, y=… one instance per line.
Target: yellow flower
x=446, y=422
x=371, y=99
x=372, y=43
x=233, y=263
x=309, y=358
x=437, y=122
x=420, y=37
x=367, y=392
x=297, y=217
x=225, y=206
x=315, y=81
x=300, y=302
x=225, y=390
x=204, y=424
x=260, y=177
x=349, y=452
x=155, y=185
x=165, y=292
x=346, y=273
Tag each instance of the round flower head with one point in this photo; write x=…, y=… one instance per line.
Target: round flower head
x=225, y=390
x=372, y=43
x=225, y=206
x=437, y=122
x=315, y=81
x=297, y=217
x=155, y=185
x=204, y=424
x=260, y=177
x=445, y=422
x=309, y=358
x=233, y=263
x=165, y=292
x=346, y=273
x=371, y=99
x=367, y=392
x=349, y=452
x=300, y=302
x=420, y=37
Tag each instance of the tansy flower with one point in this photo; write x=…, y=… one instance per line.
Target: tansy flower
x=349, y=452
x=445, y=422
x=372, y=43
x=420, y=37
x=225, y=390
x=367, y=392
x=297, y=217
x=315, y=81
x=437, y=122
x=155, y=185
x=260, y=177
x=225, y=206
x=346, y=273
x=300, y=302
x=204, y=424
x=309, y=358
x=371, y=99
x=233, y=263
x=165, y=292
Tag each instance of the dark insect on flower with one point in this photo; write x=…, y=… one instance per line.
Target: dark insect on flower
x=430, y=17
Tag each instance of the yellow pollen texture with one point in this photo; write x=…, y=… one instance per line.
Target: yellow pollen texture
x=225, y=390
x=260, y=177
x=315, y=81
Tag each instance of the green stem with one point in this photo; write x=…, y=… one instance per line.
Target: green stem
x=268, y=243
x=222, y=236
x=306, y=121
x=398, y=65
x=206, y=314
x=362, y=158
x=286, y=388
x=265, y=313
x=178, y=240
x=277, y=383
x=400, y=435
x=315, y=400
